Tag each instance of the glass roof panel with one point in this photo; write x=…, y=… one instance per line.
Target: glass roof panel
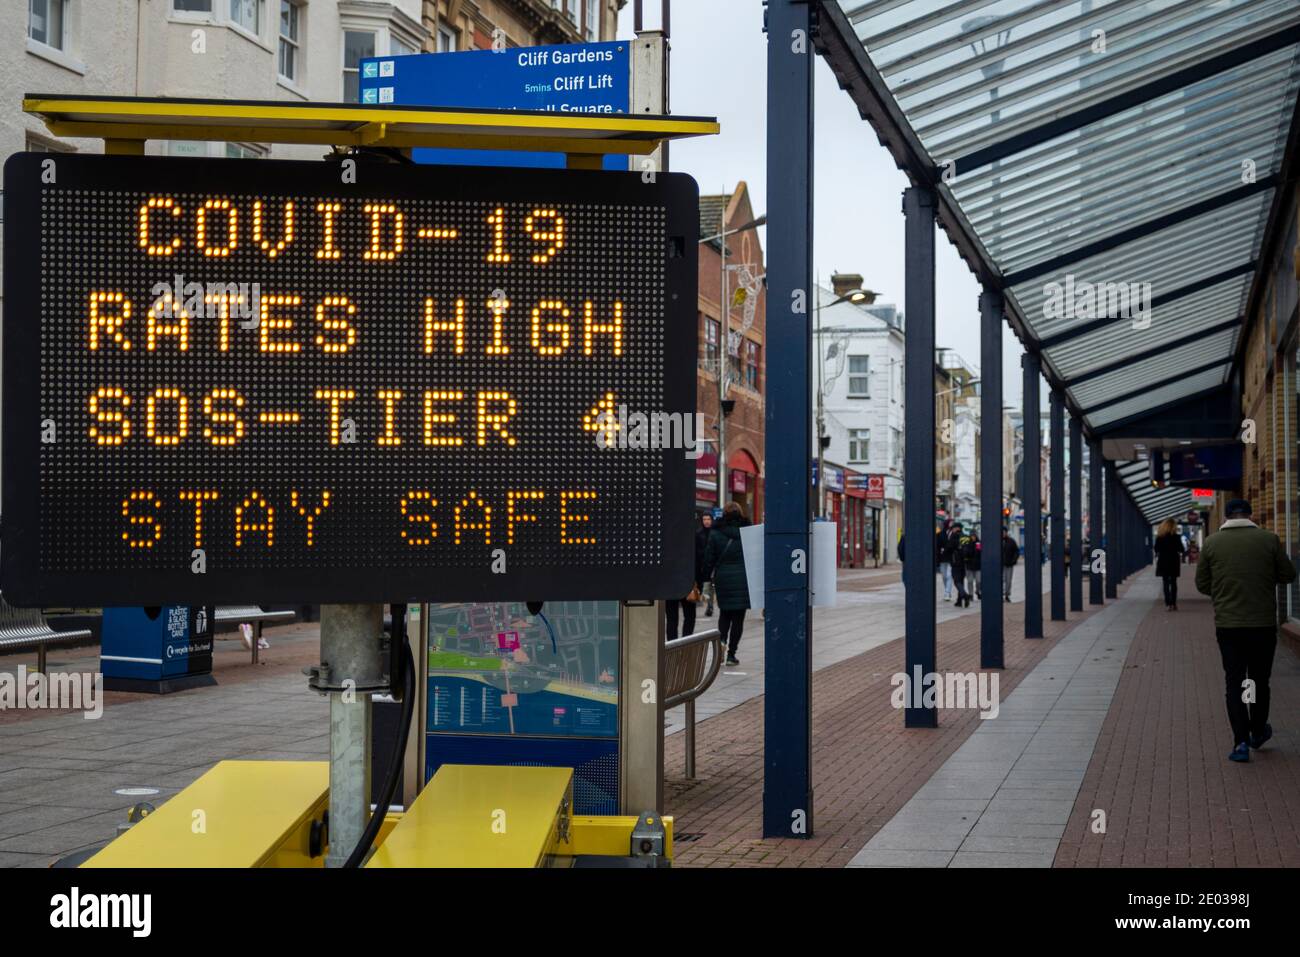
x=1191, y=385
x=970, y=75
x=1168, y=260
x=1116, y=341
x=1167, y=364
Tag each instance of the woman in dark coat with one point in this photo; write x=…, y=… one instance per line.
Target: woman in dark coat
x=959, y=562
x=1169, y=560
x=725, y=560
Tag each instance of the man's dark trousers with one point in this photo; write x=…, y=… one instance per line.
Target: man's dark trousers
x=1247, y=653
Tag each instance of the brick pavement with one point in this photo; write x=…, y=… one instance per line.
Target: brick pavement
x=1160, y=770
x=866, y=765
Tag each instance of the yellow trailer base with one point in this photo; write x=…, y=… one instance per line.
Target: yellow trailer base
x=238, y=814
x=484, y=816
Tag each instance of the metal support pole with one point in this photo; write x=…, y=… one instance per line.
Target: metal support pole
x=641, y=711
x=991, y=478
x=1112, y=534
x=690, y=740
x=1056, y=519
x=351, y=668
x=1033, y=495
x=413, y=766
x=787, y=633
x=919, y=205
x=1076, y=513
x=1095, y=525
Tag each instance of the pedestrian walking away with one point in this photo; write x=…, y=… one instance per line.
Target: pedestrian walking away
x=959, y=565
x=1169, y=560
x=1010, y=555
x=974, y=551
x=943, y=547
x=1240, y=567
x=725, y=562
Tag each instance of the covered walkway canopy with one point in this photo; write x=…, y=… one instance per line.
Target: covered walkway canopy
x=1085, y=149
x=1114, y=173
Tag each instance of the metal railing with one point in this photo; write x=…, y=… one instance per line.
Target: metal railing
x=686, y=678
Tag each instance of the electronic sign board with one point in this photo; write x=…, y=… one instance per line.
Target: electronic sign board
x=269, y=381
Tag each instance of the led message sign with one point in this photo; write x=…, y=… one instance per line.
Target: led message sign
x=265, y=381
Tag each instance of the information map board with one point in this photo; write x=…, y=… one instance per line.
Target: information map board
x=267, y=381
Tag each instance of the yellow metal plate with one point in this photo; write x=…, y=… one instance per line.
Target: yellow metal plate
x=480, y=816
x=142, y=118
x=239, y=814
x=611, y=835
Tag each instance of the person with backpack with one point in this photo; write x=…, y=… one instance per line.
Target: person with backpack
x=725, y=563
x=1010, y=555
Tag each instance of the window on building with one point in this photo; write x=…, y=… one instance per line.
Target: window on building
x=241, y=151
x=734, y=370
x=712, y=331
x=571, y=10
x=290, y=44
x=859, y=445
x=35, y=145
x=357, y=45
x=752, y=353
x=590, y=21
x=45, y=22
x=896, y=450
x=397, y=47
x=192, y=6
x=446, y=39
x=247, y=14
x=860, y=376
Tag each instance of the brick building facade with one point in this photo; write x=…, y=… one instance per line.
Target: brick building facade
x=470, y=24
x=1270, y=379
x=741, y=346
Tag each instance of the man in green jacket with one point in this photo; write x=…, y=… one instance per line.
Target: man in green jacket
x=1240, y=568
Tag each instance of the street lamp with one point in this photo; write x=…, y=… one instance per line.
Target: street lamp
x=724, y=307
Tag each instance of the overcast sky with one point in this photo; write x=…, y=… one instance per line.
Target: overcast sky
x=719, y=68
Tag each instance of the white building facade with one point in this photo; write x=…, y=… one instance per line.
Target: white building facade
x=288, y=50
x=862, y=349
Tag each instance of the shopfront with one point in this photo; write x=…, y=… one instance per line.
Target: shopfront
x=856, y=536
x=706, y=483
x=742, y=483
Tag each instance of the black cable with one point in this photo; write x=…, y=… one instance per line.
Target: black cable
x=394, y=766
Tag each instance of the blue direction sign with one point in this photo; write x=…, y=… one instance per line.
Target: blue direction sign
x=568, y=78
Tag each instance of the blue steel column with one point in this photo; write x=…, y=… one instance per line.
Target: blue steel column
x=1112, y=534
x=1076, y=514
x=1033, y=499
x=1056, y=406
x=787, y=683
x=991, y=477
x=1095, y=525
x=918, y=445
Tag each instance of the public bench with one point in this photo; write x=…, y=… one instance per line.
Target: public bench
x=25, y=628
x=689, y=671
x=254, y=615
